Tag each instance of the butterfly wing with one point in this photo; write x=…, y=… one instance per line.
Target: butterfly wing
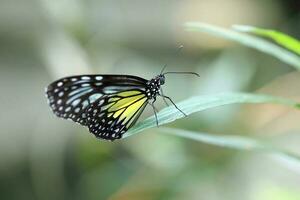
x=109, y=118
x=70, y=97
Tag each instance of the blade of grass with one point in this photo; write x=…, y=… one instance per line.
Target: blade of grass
x=292, y=161
x=203, y=102
x=229, y=141
x=282, y=39
x=247, y=40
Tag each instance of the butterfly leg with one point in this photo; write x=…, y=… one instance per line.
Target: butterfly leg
x=154, y=110
x=162, y=94
x=173, y=103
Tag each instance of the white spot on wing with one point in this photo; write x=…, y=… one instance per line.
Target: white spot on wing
x=75, y=102
x=85, y=84
x=85, y=103
x=98, y=78
x=101, y=102
x=94, y=97
x=85, y=78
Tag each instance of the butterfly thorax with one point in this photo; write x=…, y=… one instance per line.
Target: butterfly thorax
x=153, y=86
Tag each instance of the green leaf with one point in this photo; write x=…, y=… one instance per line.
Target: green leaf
x=290, y=160
x=247, y=40
x=282, y=39
x=229, y=141
x=199, y=103
x=203, y=102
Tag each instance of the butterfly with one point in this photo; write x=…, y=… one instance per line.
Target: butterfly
x=108, y=104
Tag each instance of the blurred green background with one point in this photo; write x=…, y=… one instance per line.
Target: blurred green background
x=43, y=157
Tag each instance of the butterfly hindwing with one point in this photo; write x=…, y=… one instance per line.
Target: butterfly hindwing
x=110, y=117
x=70, y=97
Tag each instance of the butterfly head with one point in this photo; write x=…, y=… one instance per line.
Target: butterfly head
x=157, y=81
x=161, y=79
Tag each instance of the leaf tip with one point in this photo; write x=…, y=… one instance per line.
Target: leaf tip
x=297, y=105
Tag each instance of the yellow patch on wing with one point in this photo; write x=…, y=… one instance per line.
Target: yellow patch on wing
x=113, y=99
x=131, y=110
x=125, y=102
x=127, y=107
x=119, y=112
x=129, y=93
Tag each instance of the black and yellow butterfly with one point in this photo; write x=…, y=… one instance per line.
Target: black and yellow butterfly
x=107, y=104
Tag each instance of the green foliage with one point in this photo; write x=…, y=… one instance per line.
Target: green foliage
x=200, y=103
x=203, y=102
x=248, y=40
x=282, y=39
x=240, y=143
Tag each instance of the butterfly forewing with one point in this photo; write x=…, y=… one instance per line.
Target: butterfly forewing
x=68, y=97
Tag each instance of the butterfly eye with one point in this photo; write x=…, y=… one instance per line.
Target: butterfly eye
x=162, y=79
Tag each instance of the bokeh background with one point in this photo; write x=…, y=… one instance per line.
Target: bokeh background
x=43, y=157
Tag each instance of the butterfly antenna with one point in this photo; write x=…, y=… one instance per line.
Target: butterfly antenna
x=176, y=53
x=162, y=70
x=194, y=73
